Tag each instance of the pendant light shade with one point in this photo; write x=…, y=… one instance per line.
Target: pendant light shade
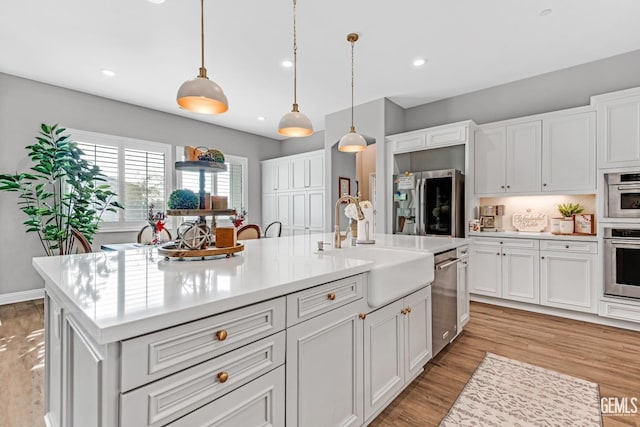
x=352, y=142
x=202, y=95
x=295, y=124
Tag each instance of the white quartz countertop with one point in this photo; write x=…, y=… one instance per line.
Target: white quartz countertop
x=530, y=235
x=118, y=295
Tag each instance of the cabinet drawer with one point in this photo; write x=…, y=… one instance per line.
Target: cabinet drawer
x=257, y=404
x=620, y=311
x=159, y=354
x=312, y=302
x=170, y=398
x=507, y=242
x=569, y=246
x=446, y=137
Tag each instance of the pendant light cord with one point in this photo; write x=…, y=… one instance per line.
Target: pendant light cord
x=295, y=59
x=353, y=129
x=203, y=71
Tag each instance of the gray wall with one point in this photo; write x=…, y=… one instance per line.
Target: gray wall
x=24, y=104
x=570, y=87
x=291, y=146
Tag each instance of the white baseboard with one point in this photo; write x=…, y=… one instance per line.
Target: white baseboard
x=552, y=311
x=14, y=297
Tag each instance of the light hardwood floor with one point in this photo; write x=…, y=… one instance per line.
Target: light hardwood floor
x=607, y=356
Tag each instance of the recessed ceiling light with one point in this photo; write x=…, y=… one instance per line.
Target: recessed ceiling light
x=287, y=63
x=419, y=62
x=545, y=12
x=262, y=118
x=156, y=1
x=108, y=73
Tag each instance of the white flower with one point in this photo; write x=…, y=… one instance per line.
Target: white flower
x=351, y=211
x=365, y=204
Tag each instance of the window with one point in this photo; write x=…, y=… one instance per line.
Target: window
x=138, y=171
x=232, y=183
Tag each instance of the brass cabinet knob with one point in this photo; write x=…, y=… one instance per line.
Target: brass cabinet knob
x=362, y=316
x=221, y=335
x=331, y=296
x=408, y=309
x=223, y=377
x=403, y=311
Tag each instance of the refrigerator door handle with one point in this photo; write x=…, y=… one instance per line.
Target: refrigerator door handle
x=420, y=208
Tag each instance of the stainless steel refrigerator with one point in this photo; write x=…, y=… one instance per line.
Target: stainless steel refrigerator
x=429, y=203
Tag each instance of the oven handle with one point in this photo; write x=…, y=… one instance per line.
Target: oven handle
x=628, y=187
x=625, y=243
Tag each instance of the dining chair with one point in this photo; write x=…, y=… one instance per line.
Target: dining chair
x=145, y=235
x=77, y=243
x=249, y=231
x=273, y=230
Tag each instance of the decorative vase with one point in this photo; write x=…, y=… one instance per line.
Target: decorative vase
x=555, y=225
x=566, y=226
x=155, y=237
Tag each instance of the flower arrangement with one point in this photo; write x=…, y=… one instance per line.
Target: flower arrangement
x=351, y=211
x=239, y=218
x=156, y=222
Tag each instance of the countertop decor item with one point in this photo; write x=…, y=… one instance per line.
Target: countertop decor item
x=529, y=220
x=183, y=199
x=210, y=155
x=352, y=141
x=62, y=192
x=584, y=224
x=295, y=124
x=202, y=95
x=568, y=210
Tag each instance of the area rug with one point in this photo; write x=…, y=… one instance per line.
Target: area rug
x=505, y=392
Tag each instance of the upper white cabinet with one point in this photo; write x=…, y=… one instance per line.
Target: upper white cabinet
x=307, y=172
x=435, y=137
x=618, y=128
x=507, y=159
x=556, y=154
x=569, y=153
x=269, y=177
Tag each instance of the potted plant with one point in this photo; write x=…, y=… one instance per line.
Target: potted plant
x=62, y=191
x=567, y=210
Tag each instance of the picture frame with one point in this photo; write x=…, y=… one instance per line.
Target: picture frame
x=344, y=186
x=584, y=224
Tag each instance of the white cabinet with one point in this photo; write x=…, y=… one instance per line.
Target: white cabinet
x=293, y=193
x=505, y=268
x=568, y=277
x=618, y=129
x=324, y=384
x=463, y=287
x=507, y=159
x=307, y=172
x=569, y=153
x=397, y=343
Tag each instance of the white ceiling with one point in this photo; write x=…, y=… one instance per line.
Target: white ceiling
x=469, y=44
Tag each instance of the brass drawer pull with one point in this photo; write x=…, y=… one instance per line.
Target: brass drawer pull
x=331, y=296
x=362, y=316
x=223, y=377
x=221, y=335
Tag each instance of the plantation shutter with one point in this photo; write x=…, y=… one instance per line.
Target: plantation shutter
x=106, y=158
x=144, y=183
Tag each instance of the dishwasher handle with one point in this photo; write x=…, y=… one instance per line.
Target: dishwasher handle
x=447, y=264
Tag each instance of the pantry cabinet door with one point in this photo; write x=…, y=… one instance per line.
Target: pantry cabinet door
x=489, y=160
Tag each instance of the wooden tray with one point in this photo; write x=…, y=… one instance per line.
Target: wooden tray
x=170, y=251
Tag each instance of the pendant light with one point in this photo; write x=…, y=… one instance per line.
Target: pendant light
x=202, y=95
x=352, y=141
x=295, y=124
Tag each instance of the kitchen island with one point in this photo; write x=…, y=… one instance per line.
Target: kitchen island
x=133, y=339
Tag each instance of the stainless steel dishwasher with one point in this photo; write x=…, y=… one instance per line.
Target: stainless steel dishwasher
x=444, y=300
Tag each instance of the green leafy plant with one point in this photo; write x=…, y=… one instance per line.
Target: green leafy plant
x=569, y=209
x=183, y=199
x=62, y=192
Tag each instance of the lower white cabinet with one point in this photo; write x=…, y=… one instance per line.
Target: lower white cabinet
x=463, y=287
x=505, y=268
x=257, y=404
x=397, y=344
x=567, y=280
x=324, y=370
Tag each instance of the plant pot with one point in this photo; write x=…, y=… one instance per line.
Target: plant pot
x=566, y=226
x=555, y=225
